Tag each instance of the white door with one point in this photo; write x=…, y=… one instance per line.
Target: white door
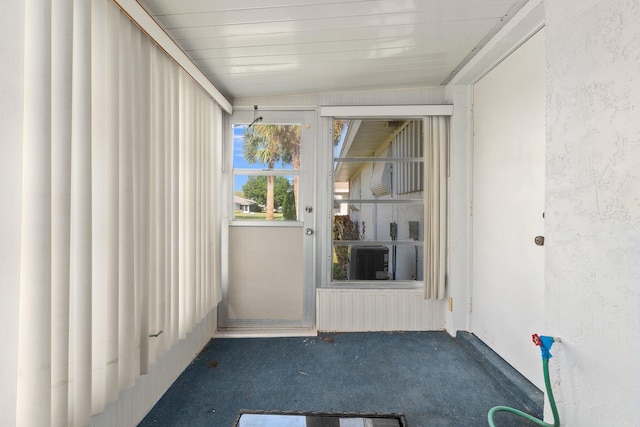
x=508, y=206
x=270, y=222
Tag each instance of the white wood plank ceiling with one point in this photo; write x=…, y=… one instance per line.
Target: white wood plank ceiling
x=284, y=47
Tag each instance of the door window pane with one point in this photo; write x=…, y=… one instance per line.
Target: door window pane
x=266, y=146
x=266, y=166
x=250, y=197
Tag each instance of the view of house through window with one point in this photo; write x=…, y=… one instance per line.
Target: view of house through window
x=378, y=203
x=266, y=167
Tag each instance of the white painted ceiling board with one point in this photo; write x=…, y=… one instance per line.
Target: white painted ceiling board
x=282, y=47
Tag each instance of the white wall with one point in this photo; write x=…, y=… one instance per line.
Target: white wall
x=11, y=84
x=459, y=207
x=508, y=204
x=593, y=208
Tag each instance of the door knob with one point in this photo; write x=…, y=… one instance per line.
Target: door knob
x=308, y=232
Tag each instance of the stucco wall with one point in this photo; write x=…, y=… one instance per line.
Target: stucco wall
x=593, y=208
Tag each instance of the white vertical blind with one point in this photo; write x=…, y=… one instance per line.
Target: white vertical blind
x=61, y=62
x=111, y=204
x=34, y=335
x=119, y=217
x=435, y=218
x=80, y=318
x=99, y=242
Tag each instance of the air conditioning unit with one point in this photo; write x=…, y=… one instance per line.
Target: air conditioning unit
x=368, y=263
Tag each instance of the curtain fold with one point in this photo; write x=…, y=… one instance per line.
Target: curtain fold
x=99, y=207
x=80, y=319
x=120, y=209
x=34, y=334
x=112, y=204
x=61, y=81
x=127, y=362
x=435, y=185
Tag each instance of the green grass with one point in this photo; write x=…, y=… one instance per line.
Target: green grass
x=260, y=216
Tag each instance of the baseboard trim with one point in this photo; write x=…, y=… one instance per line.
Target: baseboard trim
x=530, y=397
x=265, y=333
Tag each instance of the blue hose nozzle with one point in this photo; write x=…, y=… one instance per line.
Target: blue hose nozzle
x=545, y=344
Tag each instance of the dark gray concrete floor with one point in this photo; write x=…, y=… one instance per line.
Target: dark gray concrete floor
x=431, y=377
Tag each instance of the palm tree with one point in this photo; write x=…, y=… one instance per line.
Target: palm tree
x=260, y=147
x=289, y=135
x=269, y=144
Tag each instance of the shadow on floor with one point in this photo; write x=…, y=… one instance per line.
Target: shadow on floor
x=431, y=377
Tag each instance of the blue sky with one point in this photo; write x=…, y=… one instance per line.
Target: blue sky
x=238, y=159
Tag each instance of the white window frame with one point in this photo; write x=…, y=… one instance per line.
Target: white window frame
x=348, y=112
x=269, y=116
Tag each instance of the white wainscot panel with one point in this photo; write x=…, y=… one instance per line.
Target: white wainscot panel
x=368, y=310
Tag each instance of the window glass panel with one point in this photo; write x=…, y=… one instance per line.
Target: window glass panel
x=369, y=246
x=266, y=164
x=251, y=196
x=375, y=262
x=266, y=146
x=378, y=201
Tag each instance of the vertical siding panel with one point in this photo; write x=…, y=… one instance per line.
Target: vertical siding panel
x=345, y=310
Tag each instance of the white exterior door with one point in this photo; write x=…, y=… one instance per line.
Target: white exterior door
x=268, y=282
x=508, y=206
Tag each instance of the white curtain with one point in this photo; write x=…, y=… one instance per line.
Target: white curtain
x=435, y=185
x=119, y=217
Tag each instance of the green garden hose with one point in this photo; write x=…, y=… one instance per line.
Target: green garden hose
x=545, y=345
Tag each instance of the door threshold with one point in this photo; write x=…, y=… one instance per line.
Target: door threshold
x=265, y=333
